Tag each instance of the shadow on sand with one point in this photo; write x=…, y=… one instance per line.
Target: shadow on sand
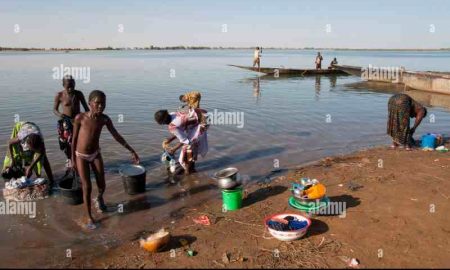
x=262, y=194
x=231, y=160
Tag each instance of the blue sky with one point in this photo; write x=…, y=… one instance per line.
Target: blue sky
x=354, y=24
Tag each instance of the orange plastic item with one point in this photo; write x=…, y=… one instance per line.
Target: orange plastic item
x=316, y=191
x=156, y=241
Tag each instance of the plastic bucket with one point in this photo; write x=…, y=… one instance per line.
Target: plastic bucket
x=72, y=194
x=429, y=141
x=133, y=178
x=232, y=199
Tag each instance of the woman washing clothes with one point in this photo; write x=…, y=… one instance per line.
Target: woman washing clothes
x=26, y=147
x=401, y=108
x=190, y=132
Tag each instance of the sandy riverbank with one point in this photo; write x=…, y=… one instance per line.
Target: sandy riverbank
x=397, y=216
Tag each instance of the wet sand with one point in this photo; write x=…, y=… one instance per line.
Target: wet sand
x=397, y=216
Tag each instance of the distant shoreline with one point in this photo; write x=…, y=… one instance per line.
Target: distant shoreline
x=156, y=48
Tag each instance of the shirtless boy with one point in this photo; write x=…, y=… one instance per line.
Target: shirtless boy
x=86, y=151
x=70, y=100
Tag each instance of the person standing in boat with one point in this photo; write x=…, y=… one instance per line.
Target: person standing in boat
x=70, y=99
x=257, y=57
x=319, y=59
x=401, y=108
x=334, y=62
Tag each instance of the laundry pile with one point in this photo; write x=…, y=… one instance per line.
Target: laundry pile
x=23, y=182
x=25, y=189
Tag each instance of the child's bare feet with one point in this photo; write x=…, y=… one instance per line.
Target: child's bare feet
x=100, y=205
x=91, y=225
x=88, y=224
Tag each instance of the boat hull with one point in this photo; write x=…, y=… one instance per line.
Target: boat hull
x=427, y=81
x=292, y=71
x=351, y=70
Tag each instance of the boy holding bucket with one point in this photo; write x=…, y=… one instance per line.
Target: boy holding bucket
x=86, y=150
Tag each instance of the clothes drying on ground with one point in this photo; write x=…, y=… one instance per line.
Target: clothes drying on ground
x=23, y=182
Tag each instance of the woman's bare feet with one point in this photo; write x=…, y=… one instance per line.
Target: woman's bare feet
x=393, y=146
x=193, y=170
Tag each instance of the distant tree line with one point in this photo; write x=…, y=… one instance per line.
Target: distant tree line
x=152, y=47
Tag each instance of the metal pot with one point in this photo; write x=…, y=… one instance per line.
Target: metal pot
x=228, y=178
x=133, y=177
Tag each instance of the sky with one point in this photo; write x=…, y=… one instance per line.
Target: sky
x=227, y=23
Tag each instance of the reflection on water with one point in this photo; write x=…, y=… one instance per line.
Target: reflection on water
x=317, y=87
x=257, y=89
x=288, y=124
x=333, y=80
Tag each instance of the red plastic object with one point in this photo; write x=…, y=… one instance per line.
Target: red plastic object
x=203, y=220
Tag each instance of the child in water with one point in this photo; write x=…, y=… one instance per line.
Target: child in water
x=86, y=150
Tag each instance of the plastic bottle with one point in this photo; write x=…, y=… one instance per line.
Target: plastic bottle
x=173, y=165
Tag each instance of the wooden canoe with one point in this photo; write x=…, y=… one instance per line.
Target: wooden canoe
x=351, y=70
x=437, y=82
x=430, y=81
x=293, y=71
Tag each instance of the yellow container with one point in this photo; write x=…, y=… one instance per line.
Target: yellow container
x=316, y=191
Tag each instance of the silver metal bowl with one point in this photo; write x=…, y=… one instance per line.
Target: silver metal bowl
x=230, y=172
x=303, y=199
x=228, y=178
x=226, y=183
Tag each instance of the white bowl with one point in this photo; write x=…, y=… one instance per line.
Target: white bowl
x=288, y=235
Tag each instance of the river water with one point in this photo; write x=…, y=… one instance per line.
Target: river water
x=286, y=121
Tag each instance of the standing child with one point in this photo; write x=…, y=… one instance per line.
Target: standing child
x=70, y=100
x=86, y=151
